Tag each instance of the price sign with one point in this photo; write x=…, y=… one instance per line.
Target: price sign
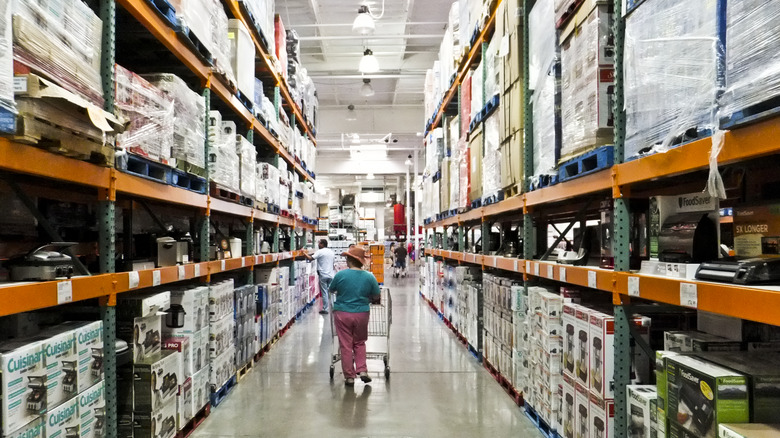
x=133, y=279
x=562, y=274
x=528, y=267
x=517, y=263
x=550, y=272
x=633, y=286
x=64, y=292
x=222, y=265
x=536, y=269
x=495, y=262
x=197, y=270
x=257, y=260
x=689, y=295
x=243, y=262
x=156, y=278
x=592, y=283
x=182, y=272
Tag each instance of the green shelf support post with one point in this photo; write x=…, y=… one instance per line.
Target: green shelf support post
x=205, y=220
x=622, y=366
x=108, y=315
x=528, y=142
x=461, y=238
x=277, y=101
x=275, y=246
x=249, y=240
x=108, y=17
x=305, y=240
x=206, y=146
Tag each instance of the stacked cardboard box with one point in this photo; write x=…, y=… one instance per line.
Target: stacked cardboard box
x=542, y=81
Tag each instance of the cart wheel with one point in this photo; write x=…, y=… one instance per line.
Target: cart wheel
x=387, y=372
x=332, y=372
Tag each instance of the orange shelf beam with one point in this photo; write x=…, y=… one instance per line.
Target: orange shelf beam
x=30, y=160
x=141, y=187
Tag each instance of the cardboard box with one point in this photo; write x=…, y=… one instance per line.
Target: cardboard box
x=183, y=345
x=221, y=336
x=223, y=368
x=642, y=404
x=693, y=341
x=749, y=430
x=242, y=55
x=602, y=417
x=195, y=303
x=763, y=373
x=701, y=395
x=662, y=391
x=511, y=115
x=582, y=351
x=63, y=421
x=200, y=350
x=24, y=383
x=156, y=381
x=568, y=415
x=143, y=336
x=476, y=144
x=601, y=357
x=582, y=411
x=757, y=230
x=220, y=300
x=444, y=185
x=201, y=390
x=92, y=412
x=33, y=429
x=159, y=424
x=184, y=401
x=570, y=339
x=62, y=365
x=130, y=306
x=663, y=207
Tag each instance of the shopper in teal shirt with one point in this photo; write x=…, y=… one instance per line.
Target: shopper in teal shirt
x=355, y=290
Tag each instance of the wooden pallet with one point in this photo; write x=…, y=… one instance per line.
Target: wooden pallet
x=191, y=169
x=218, y=396
x=513, y=190
x=196, y=421
x=540, y=423
x=244, y=370
x=219, y=192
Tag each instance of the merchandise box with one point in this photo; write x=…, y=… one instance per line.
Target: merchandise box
x=143, y=336
x=124, y=388
x=158, y=424
x=551, y=306
x=63, y=421
x=156, y=381
x=183, y=344
x=756, y=230
x=661, y=390
x=702, y=394
x=763, y=373
x=221, y=336
x=89, y=344
x=749, y=430
x=130, y=306
x=24, y=383
x=568, y=415
x=184, y=401
x=731, y=328
x=220, y=300
x=201, y=390
x=570, y=339
x=602, y=356
x=242, y=55
x=602, y=417
x=62, y=364
x=664, y=207
x=195, y=303
x=582, y=351
x=581, y=411
x=693, y=341
x=222, y=368
x=33, y=429
x=200, y=350
x=92, y=412
x=641, y=411
x=476, y=140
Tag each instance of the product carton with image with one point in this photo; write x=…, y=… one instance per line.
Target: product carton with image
x=158, y=424
x=63, y=421
x=200, y=350
x=201, y=390
x=702, y=394
x=661, y=387
x=62, y=365
x=24, y=383
x=184, y=400
x=641, y=411
x=570, y=340
x=568, y=415
x=602, y=417
x=601, y=357
x=182, y=344
x=757, y=230
x=89, y=345
x=144, y=304
x=33, y=429
x=582, y=351
x=92, y=412
x=221, y=336
x=581, y=411
x=156, y=381
x=140, y=321
x=749, y=430
x=195, y=304
x=763, y=373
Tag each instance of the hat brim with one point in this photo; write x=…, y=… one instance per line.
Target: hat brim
x=353, y=257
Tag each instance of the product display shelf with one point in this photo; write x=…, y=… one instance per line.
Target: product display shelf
x=25, y=297
x=474, y=55
x=238, y=13
x=160, y=29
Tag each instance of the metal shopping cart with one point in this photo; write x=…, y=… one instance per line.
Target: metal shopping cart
x=378, y=343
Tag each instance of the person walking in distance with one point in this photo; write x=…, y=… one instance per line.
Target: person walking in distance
x=325, y=260
x=400, y=260
x=355, y=290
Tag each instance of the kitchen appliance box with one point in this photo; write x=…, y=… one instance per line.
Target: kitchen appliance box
x=92, y=407
x=33, y=429
x=201, y=390
x=693, y=341
x=195, y=303
x=641, y=410
x=568, y=415
x=183, y=345
x=570, y=339
x=156, y=381
x=220, y=300
x=582, y=351
x=581, y=411
x=749, y=430
x=602, y=417
x=61, y=357
x=158, y=424
x=24, y=383
x=89, y=343
x=701, y=395
x=662, y=207
x=222, y=368
x=221, y=336
x=661, y=390
x=602, y=357
x=757, y=230
x=63, y=419
x=184, y=400
x=139, y=322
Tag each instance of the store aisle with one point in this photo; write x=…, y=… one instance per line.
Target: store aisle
x=436, y=388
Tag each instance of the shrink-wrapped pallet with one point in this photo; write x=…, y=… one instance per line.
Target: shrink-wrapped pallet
x=150, y=115
x=491, y=161
x=242, y=58
x=542, y=41
x=672, y=56
x=262, y=11
x=477, y=90
x=60, y=39
x=247, y=154
x=6, y=59
x=189, y=118
x=223, y=160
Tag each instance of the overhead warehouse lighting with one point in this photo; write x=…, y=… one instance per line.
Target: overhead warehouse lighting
x=368, y=63
x=364, y=22
x=351, y=114
x=367, y=90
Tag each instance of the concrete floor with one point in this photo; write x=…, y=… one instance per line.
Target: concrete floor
x=436, y=388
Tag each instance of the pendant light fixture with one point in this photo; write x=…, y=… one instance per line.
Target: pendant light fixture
x=368, y=63
x=351, y=114
x=366, y=90
x=364, y=22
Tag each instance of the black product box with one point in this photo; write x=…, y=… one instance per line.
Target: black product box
x=158, y=424
x=156, y=381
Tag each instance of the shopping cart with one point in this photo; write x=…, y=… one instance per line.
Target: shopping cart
x=378, y=343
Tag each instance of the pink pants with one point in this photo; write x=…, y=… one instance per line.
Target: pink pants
x=352, y=330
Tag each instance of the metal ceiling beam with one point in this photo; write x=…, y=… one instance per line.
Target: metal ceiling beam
x=372, y=37
x=399, y=23
x=323, y=75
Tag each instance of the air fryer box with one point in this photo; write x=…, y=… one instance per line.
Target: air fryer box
x=568, y=415
x=183, y=345
x=570, y=340
x=602, y=417
x=92, y=412
x=702, y=394
x=582, y=350
x=184, y=400
x=763, y=372
x=33, y=429
x=757, y=230
x=159, y=424
x=195, y=303
x=62, y=363
x=63, y=421
x=749, y=430
x=156, y=381
x=581, y=411
x=661, y=387
x=23, y=383
x=641, y=407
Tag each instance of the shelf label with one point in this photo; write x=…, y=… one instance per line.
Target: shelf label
x=64, y=292
x=222, y=265
x=257, y=260
x=495, y=261
x=156, y=278
x=633, y=286
x=517, y=262
x=134, y=279
x=689, y=296
x=197, y=270
x=243, y=262
x=182, y=272
x=527, y=267
x=550, y=272
x=562, y=274
x=592, y=283
x=536, y=269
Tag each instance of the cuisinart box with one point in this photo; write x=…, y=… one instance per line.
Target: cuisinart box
x=641, y=411
x=195, y=303
x=89, y=343
x=200, y=350
x=701, y=395
x=749, y=430
x=62, y=362
x=33, y=429
x=92, y=411
x=201, y=390
x=24, y=383
x=63, y=421
x=158, y=424
x=757, y=231
x=156, y=381
x=184, y=401
x=763, y=372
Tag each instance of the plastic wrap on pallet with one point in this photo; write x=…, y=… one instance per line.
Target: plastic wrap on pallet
x=242, y=57
x=223, y=160
x=542, y=42
x=150, y=112
x=464, y=23
x=60, y=39
x=493, y=66
x=247, y=154
x=6, y=59
x=753, y=60
x=463, y=173
x=465, y=105
x=447, y=60
x=269, y=175
x=434, y=150
x=189, y=109
x=263, y=13
x=477, y=96
x=455, y=181
x=207, y=20
x=428, y=94
x=453, y=23
x=491, y=161
x=671, y=72
x=280, y=38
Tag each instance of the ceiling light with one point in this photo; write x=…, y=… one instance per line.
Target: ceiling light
x=364, y=23
x=351, y=114
x=355, y=139
x=370, y=175
x=368, y=63
x=367, y=90
x=408, y=161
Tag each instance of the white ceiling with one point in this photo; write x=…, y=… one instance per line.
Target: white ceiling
x=406, y=43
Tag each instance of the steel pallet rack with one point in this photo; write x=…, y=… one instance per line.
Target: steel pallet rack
x=750, y=142
x=41, y=170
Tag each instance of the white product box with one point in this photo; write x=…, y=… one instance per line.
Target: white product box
x=640, y=411
x=222, y=368
x=582, y=411
x=156, y=381
x=748, y=430
x=201, y=390
x=92, y=412
x=140, y=305
x=602, y=417
x=33, y=429
x=182, y=344
x=63, y=421
x=62, y=359
x=195, y=303
x=143, y=336
x=221, y=336
x=242, y=57
x=570, y=339
x=200, y=350
x=582, y=350
x=24, y=383
x=220, y=300
x=551, y=306
x=159, y=424
x=519, y=303
x=185, y=403
x=568, y=410
x=601, y=357
x=89, y=345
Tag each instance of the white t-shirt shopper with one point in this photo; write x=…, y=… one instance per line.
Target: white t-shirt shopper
x=325, y=262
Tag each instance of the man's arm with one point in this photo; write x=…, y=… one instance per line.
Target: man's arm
x=311, y=256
